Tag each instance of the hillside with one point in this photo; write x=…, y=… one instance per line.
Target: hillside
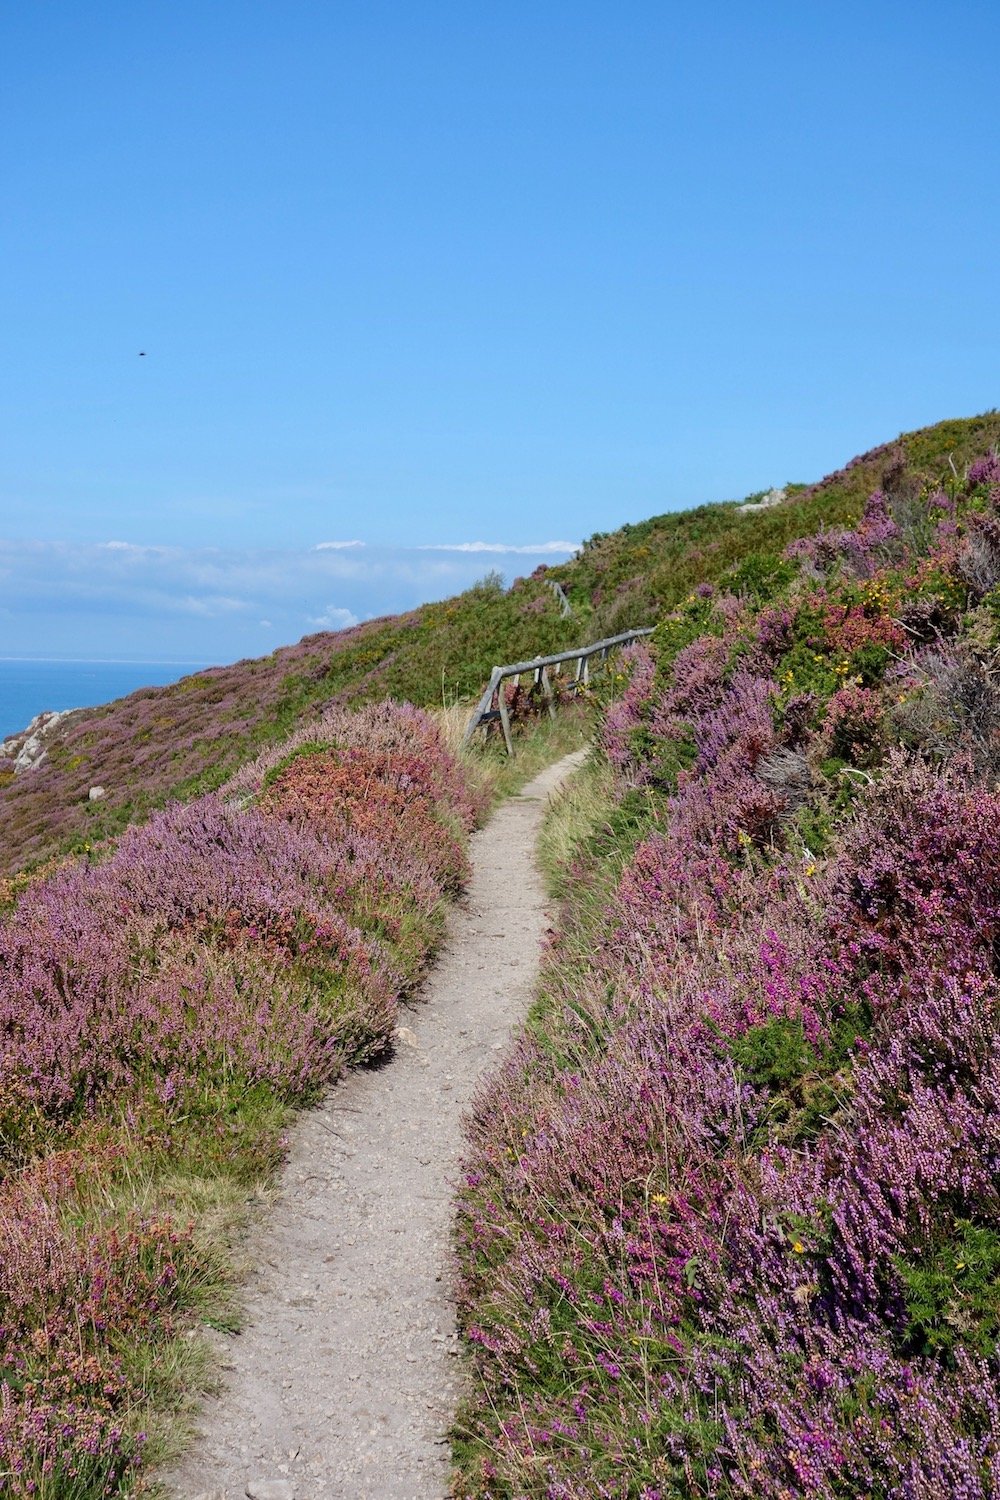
x=176, y=742
x=730, y=1224
x=162, y=744
x=162, y=1012
x=634, y=575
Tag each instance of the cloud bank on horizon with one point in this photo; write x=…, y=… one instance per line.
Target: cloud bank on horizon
x=538, y=549
x=155, y=602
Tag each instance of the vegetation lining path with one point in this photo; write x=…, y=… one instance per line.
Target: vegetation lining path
x=345, y=1380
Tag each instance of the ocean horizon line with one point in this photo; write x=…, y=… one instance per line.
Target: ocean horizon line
x=109, y=661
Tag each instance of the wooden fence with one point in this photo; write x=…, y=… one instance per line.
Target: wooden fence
x=485, y=714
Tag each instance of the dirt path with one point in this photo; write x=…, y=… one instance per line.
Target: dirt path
x=345, y=1379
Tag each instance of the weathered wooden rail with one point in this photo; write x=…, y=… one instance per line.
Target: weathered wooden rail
x=562, y=598
x=485, y=714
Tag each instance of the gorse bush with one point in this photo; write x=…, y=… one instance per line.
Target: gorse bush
x=731, y=1215
x=159, y=1010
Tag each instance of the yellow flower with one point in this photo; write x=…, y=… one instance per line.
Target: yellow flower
x=809, y=870
x=798, y=1247
x=660, y=1198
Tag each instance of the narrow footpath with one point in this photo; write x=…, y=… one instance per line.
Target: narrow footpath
x=345, y=1378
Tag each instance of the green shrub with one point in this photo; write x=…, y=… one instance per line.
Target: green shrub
x=761, y=577
x=952, y=1293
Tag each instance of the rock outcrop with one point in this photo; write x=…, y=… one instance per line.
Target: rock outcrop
x=773, y=497
x=27, y=749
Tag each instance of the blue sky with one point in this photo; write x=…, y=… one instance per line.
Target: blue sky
x=450, y=273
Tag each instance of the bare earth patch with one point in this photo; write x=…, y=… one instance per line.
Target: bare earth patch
x=346, y=1378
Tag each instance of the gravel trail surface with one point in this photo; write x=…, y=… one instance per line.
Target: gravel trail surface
x=346, y=1377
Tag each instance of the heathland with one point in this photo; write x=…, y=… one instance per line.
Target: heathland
x=731, y=1215
x=730, y=1222
x=174, y=743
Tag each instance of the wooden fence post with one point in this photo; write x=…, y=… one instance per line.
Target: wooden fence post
x=483, y=706
x=504, y=719
x=550, y=697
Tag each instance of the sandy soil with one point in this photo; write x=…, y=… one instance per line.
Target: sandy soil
x=345, y=1378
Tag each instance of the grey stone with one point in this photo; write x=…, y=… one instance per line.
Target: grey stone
x=772, y=498
x=270, y=1489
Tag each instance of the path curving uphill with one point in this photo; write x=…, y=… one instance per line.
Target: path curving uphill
x=345, y=1378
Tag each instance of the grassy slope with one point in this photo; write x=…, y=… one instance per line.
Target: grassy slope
x=632, y=576
x=178, y=741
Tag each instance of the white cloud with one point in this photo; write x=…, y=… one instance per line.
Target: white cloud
x=212, y=602
x=212, y=606
x=335, y=546
x=132, y=549
x=537, y=549
x=333, y=618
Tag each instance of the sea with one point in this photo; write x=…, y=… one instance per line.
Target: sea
x=28, y=687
